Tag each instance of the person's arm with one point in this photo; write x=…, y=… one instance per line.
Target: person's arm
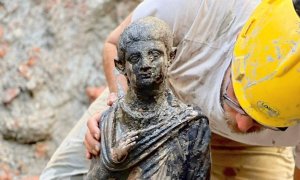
x=297, y=174
x=110, y=53
x=92, y=136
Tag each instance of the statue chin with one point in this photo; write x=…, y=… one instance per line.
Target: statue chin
x=147, y=86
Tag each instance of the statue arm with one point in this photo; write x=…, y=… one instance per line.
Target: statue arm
x=120, y=152
x=199, y=150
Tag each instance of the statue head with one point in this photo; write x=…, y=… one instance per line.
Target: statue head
x=144, y=52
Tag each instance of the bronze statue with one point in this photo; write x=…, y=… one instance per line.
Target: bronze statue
x=148, y=133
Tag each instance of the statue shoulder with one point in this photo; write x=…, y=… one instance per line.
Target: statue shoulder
x=109, y=114
x=198, y=119
x=193, y=113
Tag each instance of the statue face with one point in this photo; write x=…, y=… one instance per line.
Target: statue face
x=146, y=64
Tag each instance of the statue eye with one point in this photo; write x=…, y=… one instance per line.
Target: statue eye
x=134, y=58
x=156, y=54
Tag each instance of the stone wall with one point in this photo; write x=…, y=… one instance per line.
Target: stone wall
x=50, y=53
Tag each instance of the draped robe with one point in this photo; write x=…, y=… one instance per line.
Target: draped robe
x=176, y=147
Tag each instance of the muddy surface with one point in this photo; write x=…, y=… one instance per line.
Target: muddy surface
x=149, y=133
x=50, y=62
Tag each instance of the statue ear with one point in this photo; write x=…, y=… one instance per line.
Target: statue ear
x=173, y=53
x=120, y=65
x=172, y=56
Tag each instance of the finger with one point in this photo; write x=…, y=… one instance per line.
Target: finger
x=93, y=125
x=112, y=98
x=88, y=146
x=132, y=134
x=134, y=138
x=122, y=144
x=130, y=140
x=127, y=141
x=132, y=144
x=88, y=155
x=92, y=145
x=129, y=146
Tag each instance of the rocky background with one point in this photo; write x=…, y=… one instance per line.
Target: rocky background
x=50, y=68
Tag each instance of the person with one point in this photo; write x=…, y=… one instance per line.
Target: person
x=149, y=133
x=239, y=62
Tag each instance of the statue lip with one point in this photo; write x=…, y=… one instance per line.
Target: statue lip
x=145, y=75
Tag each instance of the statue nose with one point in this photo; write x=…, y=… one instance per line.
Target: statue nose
x=146, y=64
x=145, y=69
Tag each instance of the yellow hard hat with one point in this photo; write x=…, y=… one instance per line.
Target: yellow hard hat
x=266, y=64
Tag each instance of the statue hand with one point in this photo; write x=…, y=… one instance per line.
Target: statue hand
x=123, y=146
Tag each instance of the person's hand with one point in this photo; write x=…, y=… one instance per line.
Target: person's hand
x=112, y=98
x=92, y=136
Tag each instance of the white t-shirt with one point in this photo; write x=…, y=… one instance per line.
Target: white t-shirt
x=205, y=32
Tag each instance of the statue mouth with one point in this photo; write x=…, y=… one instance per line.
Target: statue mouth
x=145, y=76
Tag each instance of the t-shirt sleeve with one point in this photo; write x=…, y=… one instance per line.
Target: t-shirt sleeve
x=158, y=8
x=297, y=156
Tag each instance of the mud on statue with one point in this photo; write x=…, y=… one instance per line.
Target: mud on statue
x=149, y=133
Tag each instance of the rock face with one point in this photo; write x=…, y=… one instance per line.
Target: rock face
x=50, y=53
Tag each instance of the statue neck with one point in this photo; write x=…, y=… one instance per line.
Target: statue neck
x=146, y=99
